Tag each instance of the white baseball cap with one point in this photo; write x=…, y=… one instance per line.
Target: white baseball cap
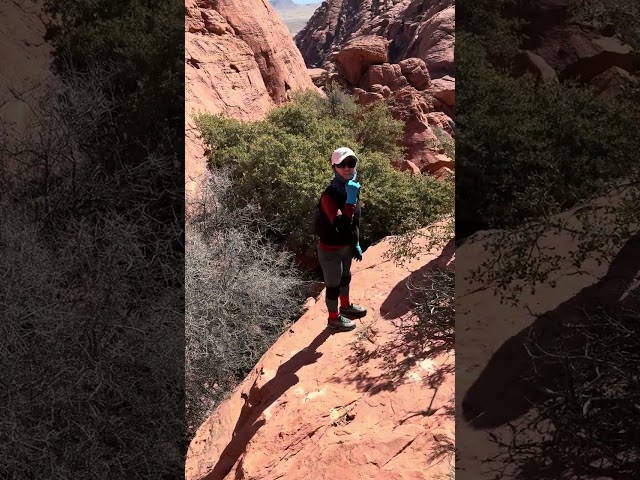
x=340, y=154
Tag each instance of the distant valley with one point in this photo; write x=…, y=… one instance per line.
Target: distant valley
x=293, y=15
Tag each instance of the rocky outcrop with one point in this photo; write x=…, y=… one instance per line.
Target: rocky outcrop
x=415, y=71
x=239, y=60
x=561, y=47
x=371, y=403
x=414, y=28
x=359, y=54
x=401, y=51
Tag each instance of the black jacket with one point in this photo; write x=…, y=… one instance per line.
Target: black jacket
x=343, y=231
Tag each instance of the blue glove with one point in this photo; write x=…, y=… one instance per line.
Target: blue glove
x=358, y=254
x=353, y=188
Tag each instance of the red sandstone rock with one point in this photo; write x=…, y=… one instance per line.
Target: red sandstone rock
x=612, y=82
x=381, y=89
x=347, y=405
x=415, y=71
x=419, y=67
x=430, y=161
x=441, y=120
x=435, y=39
x=355, y=58
x=366, y=98
x=529, y=62
x=421, y=29
x=240, y=61
x=408, y=165
x=444, y=89
x=574, y=49
x=444, y=173
x=385, y=75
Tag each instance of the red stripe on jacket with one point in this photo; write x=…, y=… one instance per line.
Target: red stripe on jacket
x=331, y=210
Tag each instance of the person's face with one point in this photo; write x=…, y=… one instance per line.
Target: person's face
x=346, y=167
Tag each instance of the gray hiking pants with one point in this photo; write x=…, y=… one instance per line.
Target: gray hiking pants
x=336, y=269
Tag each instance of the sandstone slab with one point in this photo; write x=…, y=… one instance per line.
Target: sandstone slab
x=343, y=405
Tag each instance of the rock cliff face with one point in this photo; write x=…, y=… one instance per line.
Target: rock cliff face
x=415, y=28
x=240, y=61
x=373, y=403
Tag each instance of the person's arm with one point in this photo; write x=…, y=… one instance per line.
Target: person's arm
x=339, y=219
x=331, y=210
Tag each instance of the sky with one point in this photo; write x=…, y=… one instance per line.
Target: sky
x=303, y=2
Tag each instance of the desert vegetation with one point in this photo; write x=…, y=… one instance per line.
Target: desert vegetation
x=527, y=151
x=282, y=164
x=253, y=216
x=242, y=292
x=92, y=253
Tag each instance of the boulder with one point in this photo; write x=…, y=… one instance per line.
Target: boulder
x=358, y=55
x=444, y=173
x=528, y=62
x=386, y=75
x=443, y=121
x=317, y=74
x=408, y=165
x=430, y=161
x=366, y=98
x=444, y=89
x=415, y=71
x=612, y=82
x=383, y=90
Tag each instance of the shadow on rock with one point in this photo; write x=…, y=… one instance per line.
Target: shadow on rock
x=504, y=391
x=423, y=336
x=397, y=302
x=259, y=399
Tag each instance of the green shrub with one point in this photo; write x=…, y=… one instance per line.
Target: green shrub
x=445, y=142
x=376, y=130
x=282, y=163
x=525, y=151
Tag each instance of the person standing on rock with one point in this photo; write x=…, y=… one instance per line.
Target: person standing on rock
x=337, y=225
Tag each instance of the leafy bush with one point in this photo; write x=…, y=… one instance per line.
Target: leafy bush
x=143, y=45
x=524, y=151
x=445, y=142
x=282, y=163
x=241, y=293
